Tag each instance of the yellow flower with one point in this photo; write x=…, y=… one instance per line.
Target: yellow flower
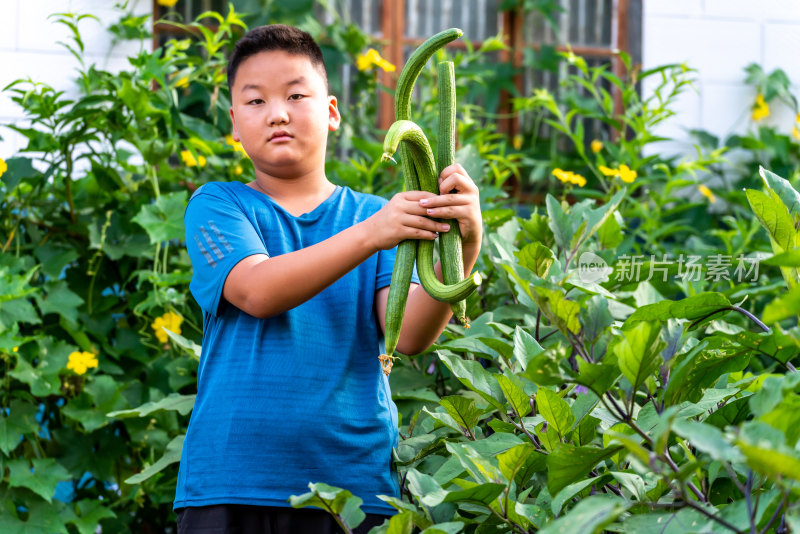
x=707, y=193
x=238, y=170
x=597, y=146
x=795, y=133
x=373, y=58
x=171, y=321
x=607, y=172
x=81, y=361
x=760, y=109
x=517, y=141
x=797, y=118
x=3, y=166
x=15, y=349
x=626, y=175
x=237, y=145
x=190, y=161
x=183, y=82
x=569, y=177
x=167, y=3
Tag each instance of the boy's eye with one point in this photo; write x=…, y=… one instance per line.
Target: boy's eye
x=256, y=101
x=296, y=96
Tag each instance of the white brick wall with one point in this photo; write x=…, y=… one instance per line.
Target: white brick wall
x=720, y=38
x=29, y=48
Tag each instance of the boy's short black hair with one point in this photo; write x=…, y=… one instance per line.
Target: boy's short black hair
x=275, y=37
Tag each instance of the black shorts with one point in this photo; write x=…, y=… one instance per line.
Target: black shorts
x=248, y=519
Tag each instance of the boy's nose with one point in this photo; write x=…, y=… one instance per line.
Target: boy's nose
x=278, y=115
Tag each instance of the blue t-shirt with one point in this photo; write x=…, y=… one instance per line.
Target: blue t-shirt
x=296, y=398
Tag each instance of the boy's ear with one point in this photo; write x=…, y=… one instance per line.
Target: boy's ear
x=334, y=117
x=235, y=130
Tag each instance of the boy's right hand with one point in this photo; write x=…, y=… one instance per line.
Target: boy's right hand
x=403, y=218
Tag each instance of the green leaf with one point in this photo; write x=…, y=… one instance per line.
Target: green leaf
x=690, y=308
x=785, y=306
x=633, y=483
x=182, y=404
x=516, y=397
x=707, y=439
x=569, y=463
x=478, y=467
x=336, y=501
x=783, y=188
x=555, y=410
x=18, y=169
x=449, y=527
x=58, y=298
x=560, y=311
x=610, y=233
x=462, y=409
x=163, y=219
x=525, y=347
x=789, y=258
x=536, y=258
x=91, y=513
x=765, y=452
x=42, y=517
x=476, y=493
x=598, y=377
x=475, y=377
x=573, y=489
x=46, y=475
x=590, y=516
x=774, y=217
x=21, y=421
x=424, y=487
x=515, y=460
x=54, y=257
x=171, y=455
x=402, y=523
x=639, y=352
x=559, y=223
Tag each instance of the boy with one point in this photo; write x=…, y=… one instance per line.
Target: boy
x=292, y=274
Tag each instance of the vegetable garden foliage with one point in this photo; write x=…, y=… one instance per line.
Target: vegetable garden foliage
x=579, y=401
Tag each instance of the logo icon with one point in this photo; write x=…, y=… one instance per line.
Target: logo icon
x=592, y=268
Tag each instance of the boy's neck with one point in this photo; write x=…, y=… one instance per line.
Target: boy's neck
x=295, y=195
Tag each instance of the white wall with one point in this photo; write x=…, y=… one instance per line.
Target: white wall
x=29, y=48
x=720, y=38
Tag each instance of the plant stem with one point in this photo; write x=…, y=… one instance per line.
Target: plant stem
x=774, y=516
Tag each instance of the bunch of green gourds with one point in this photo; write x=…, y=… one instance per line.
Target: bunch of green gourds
x=421, y=172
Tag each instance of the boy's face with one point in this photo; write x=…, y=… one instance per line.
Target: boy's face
x=281, y=113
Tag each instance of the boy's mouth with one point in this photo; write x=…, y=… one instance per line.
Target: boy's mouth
x=280, y=135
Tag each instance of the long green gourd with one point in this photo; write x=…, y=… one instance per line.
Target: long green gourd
x=422, y=156
x=450, y=251
x=406, y=250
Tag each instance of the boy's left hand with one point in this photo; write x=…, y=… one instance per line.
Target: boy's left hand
x=458, y=200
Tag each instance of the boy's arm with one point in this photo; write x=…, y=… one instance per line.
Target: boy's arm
x=266, y=286
x=425, y=318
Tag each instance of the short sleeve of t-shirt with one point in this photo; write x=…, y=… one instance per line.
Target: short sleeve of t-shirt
x=218, y=236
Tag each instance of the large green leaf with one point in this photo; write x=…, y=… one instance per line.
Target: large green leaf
x=20, y=421
x=568, y=463
x=182, y=404
x=42, y=517
x=472, y=374
x=765, y=452
x=163, y=219
x=40, y=475
x=560, y=311
x=783, y=307
x=525, y=347
x=473, y=492
x=590, y=516
x=536, y=258
x=560, y=223
x=337, y=501
x=516, y=397
x=639, y=352
x=171, y=455
x=788, y=194
x=708, y=439
x=555, y=410
x=691, y=308
x=774, y=217
x=424, y=487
